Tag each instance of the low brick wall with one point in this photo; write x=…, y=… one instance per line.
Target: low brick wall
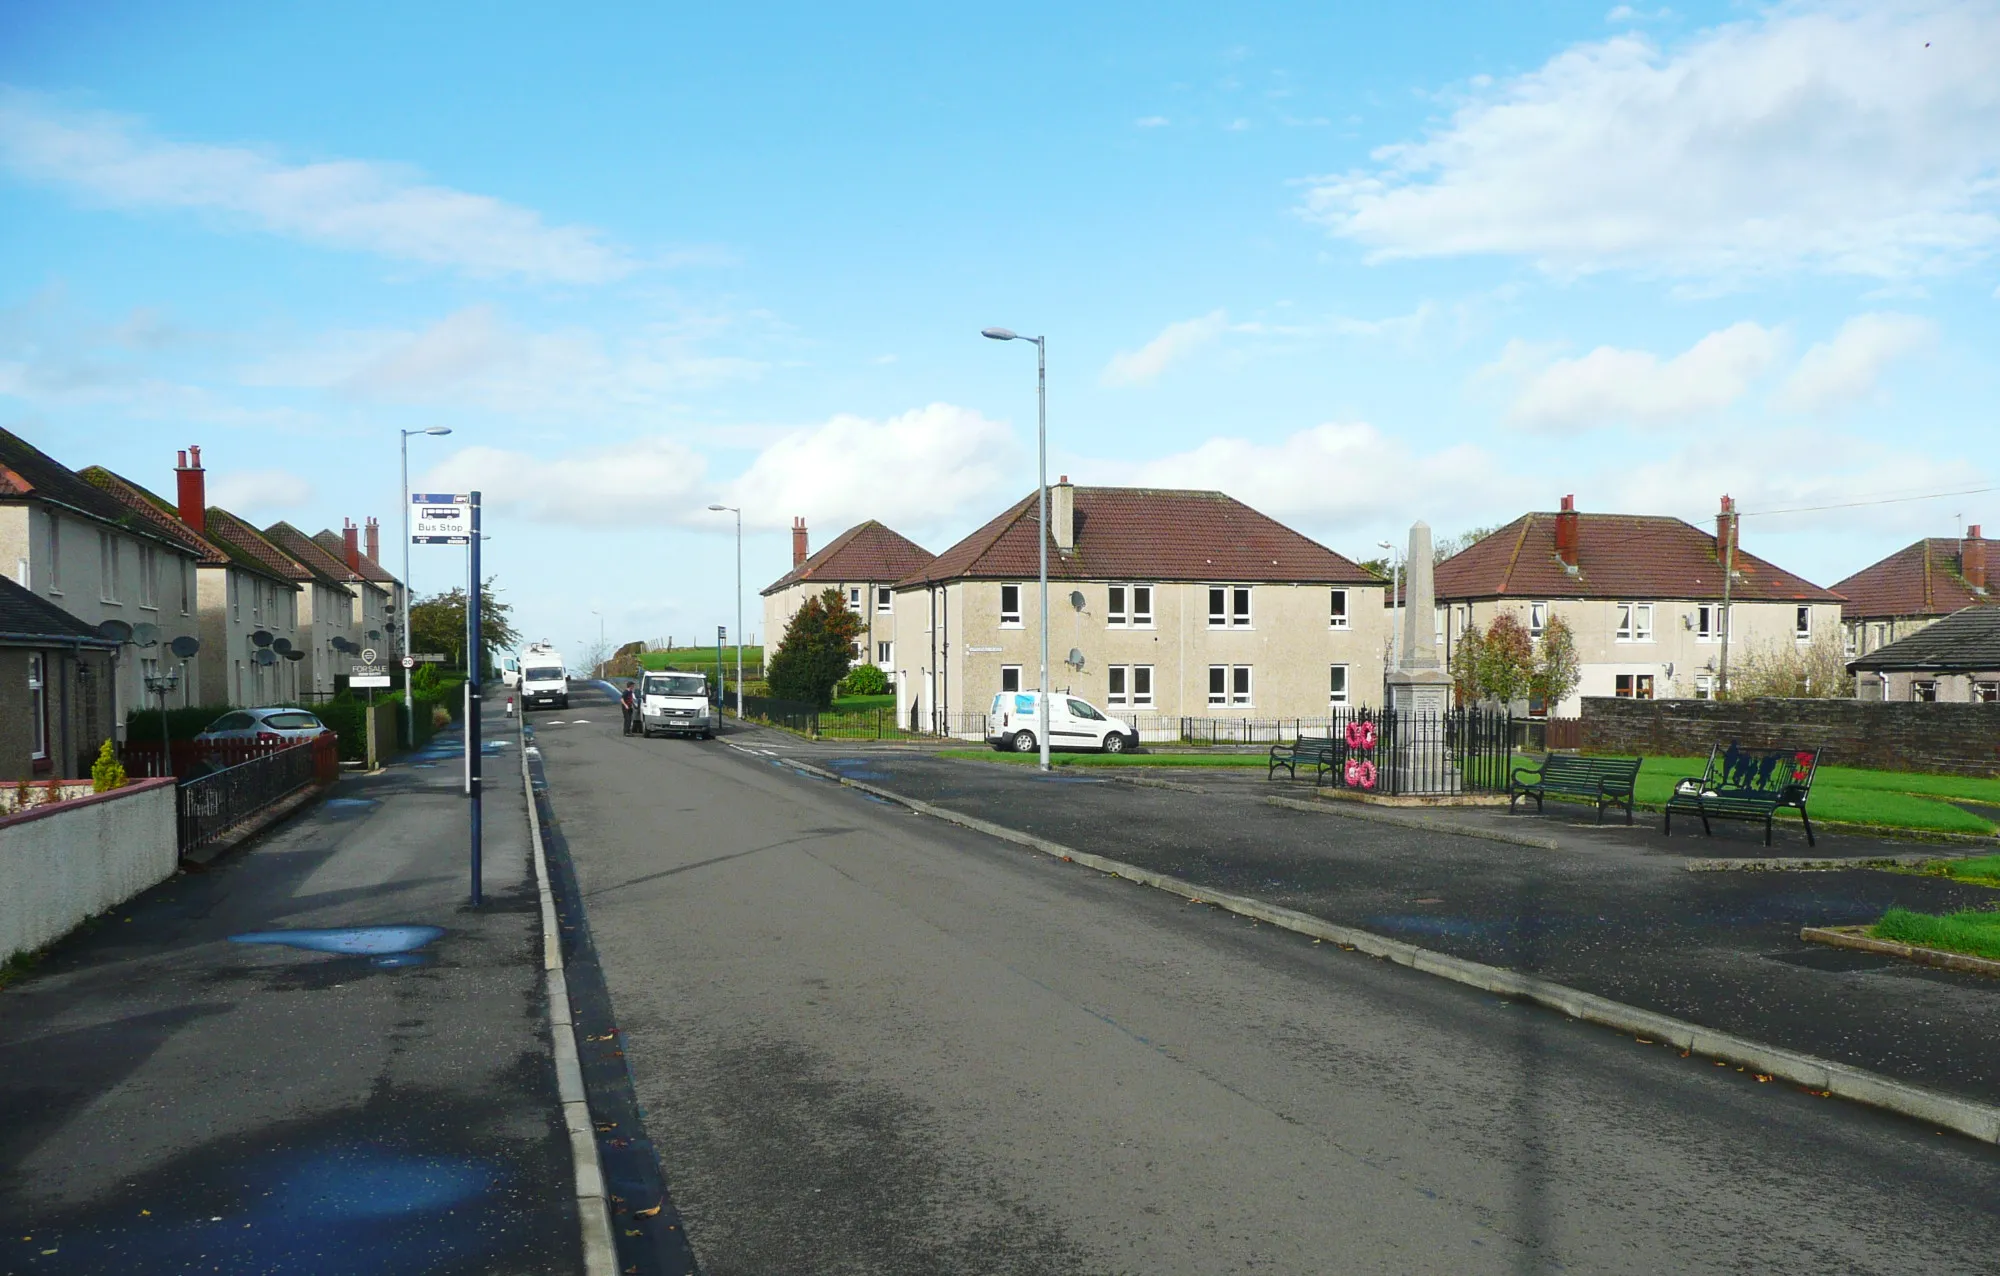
x=67, y=861
x=1947, y=739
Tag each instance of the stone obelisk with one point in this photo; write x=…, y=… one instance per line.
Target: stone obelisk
x=1419, y=688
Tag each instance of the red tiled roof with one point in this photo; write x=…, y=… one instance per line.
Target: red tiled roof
x=1138, y=533
x=156, y=511
x=315, y=563
x=28, y=472
x=248, y=549
x=332, y=542
x=1918, y=580
x=1618, y=556
x=866, y=552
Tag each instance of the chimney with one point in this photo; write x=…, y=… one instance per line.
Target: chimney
x=1566, y=532
x=374, y=535
x=350, y=540
x=800, y=552
x=1972, y=558
x=191, y=490
x=1727, y=535
x=1062, y=515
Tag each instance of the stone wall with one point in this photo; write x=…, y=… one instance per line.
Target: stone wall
x=1949, y=739
x=64, y=862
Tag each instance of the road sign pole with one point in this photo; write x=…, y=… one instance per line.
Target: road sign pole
x=473, y=662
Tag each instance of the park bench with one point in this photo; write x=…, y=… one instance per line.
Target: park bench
x=1744, y=785
x=1605, y=781
x=1324, y=754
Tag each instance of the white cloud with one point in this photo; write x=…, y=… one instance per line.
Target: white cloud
x=1610, y=386
x=1151, y=121
x=1175, y=342
x=930, y=468
x=358, y=205
x=1850, y=138
x=649, y=481
x=1845, y=370
x=247, y=492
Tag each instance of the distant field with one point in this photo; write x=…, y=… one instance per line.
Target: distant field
x=703, y=658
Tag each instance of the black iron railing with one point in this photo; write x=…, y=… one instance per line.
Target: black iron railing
x=212, y=804
x=1445, y=754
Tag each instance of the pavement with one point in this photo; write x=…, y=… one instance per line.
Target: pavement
x=174, y=1101
x=863, y=1040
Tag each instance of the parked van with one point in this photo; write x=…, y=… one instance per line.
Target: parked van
x=510, y=672
x=544, y=681
x=675, y=703
x=1074, y=723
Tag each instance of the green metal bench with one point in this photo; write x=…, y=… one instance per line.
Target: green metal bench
x=1324, y=754
x=1742, y=785
x=1605, y=781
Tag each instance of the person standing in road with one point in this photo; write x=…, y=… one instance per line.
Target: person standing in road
x=629, y=702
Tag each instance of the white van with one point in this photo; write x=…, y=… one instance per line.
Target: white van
x=510, y=672
x=1074, y=723
x=676, y=703
x=544, y=681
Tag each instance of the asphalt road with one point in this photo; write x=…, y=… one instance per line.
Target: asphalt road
x=867, y=1041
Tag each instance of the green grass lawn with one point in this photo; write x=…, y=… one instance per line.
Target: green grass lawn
x=1981, y=870
x=862, y=704
x=1111, y=759
x=1890, y=799
x=700, y=658
x=1973, y=932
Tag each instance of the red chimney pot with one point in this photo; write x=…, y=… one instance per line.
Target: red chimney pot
x=1972, y=558
x=191, y=490
x=374, y=539
x=1567, y=531
x=799, y=550
x=1728, y=535
x=350, y=540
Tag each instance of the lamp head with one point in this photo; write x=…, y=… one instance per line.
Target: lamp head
x=719, y=509
x=439, y=429
x=999, y=334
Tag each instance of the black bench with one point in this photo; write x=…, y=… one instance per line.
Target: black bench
x=1324, y=754
x=1744, y=785
x=1605, y=781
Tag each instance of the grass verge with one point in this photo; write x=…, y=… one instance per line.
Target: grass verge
x=1974, y=933
x=1852, y=795
x=1980, y=870
x=1112, y=759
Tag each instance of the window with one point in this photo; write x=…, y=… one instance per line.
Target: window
x=1924, y=689
x=1635, y=686
x=854, y=597
x=187, y=586
x=1080, y=709
x=1337, y=609
x=1142, y=604
x=883, y=652
x=149, y=577
x=1010, y=677
x=1538, y=619
x=1139, y=600
x=1802, y=624
x=1986, y=692
x=1635, y=622
x=1708, y=622
x=1850, y=641
x=1010, y=605
x=107, y=566
x=1229, y=684
x=1336, y=691
x=1228, y=606
x=235, y=598
x=1704, y=686
x=885, y=598
x=1129, y=684
x=38, y=706
x=55, y=553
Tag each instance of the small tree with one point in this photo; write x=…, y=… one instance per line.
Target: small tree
x=1506, y=665
x=817, y=650
x=1788, y=670
x=866, y=680
x=1465, y=658
x=1558, y=670
x=107, y=773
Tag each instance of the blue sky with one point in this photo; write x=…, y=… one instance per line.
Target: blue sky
x=1355, y=265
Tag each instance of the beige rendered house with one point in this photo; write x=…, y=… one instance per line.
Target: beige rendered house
x=1913, y=588
x=1954, y=660
x=379, y=597
x=863, y=563
x=327, y=590
x=1643, y=595
x=1164, y=604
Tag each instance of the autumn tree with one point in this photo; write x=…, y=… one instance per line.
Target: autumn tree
x=1558, y=669
x=1506, y=664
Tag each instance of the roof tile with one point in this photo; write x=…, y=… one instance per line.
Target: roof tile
x=865, y=552
x=1918, y=580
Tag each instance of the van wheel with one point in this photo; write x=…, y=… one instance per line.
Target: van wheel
x=1024, y=742
x=1114, y=743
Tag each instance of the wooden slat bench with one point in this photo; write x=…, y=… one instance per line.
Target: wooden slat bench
x=1605, y=781
x=1744, y=785
x=1323, y=754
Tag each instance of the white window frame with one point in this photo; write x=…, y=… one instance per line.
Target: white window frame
x=1985, y=691
x=1802, y=624
x=1704, y=686
x=1336, y=609
x=1142, y=607
x=38, y=706
x=885, y=598
x=1128, y=606
x=1004, y=671
x=885, y=653
x=1229, y=615
x=1538, y=619
x=1218, y=684
x=55, y=554
x=1337, y=684
x=1635, y=622
x=149, y=577
x=1229, y=696
x=1122, y=684
x=1708, y=622
x=107, y=568
x=1010, y=620
x=1923, y=683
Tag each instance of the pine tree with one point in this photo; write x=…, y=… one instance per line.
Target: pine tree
x=817, y=651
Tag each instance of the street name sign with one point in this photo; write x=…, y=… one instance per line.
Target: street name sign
x=440, y=518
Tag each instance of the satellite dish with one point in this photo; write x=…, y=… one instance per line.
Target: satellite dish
x=145, y=635
x=337, y=643
x=116, y=630
x=375, y=635
x=1076, y=599
x=295, y=655
x=1076, y=657
x=260, y=638
x=185, y=646
x=265, y=656
x=283, y=646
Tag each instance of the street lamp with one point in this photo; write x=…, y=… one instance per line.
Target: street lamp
x=1042, y=507
x=600, y=642
x=409, y=705
x=731, y=509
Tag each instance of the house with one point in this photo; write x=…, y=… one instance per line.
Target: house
x=98, y=559
x=1956, y=658
x=327, y=592
x=1911, y=588
x=56, y=675
x=1164, y=603
x=381, y=600
x=1643, y=596
x=863, y=563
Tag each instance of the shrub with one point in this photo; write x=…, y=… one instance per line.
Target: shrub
x=440, y=717
x=143, y=725
x=865, y=680
x=107, y=773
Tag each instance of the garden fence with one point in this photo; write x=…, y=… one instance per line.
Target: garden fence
x=210, y=805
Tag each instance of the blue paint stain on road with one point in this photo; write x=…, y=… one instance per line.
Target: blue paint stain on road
x=388, y=945
x=1457, y=927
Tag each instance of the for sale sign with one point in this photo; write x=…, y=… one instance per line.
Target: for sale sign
x=440, y=518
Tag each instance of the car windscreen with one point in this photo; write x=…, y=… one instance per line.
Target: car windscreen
x=542, y=675
x=686, y=684
x=291, y=721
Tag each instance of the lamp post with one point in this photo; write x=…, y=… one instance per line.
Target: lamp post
x=1042, y=512
x=409, y=705
x=601, y=663
x=1395, y=605
x=730, y=509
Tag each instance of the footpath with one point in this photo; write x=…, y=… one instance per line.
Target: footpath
x=314, y=1056
x=1611, y=911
